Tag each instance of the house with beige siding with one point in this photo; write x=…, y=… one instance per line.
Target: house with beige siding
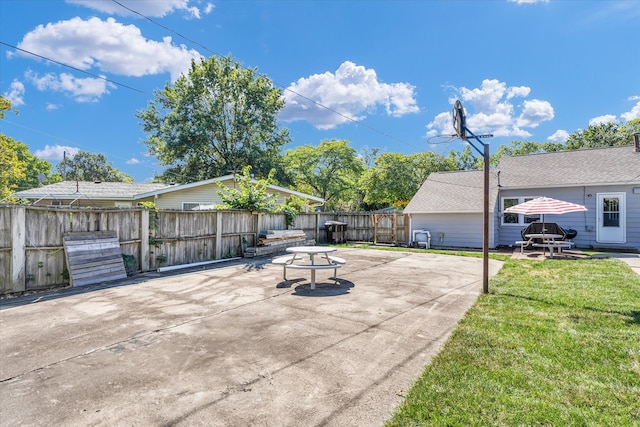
x=605, y=180
x=201, y=194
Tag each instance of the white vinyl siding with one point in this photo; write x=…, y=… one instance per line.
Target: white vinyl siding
x=454, y=230
x=200, y=195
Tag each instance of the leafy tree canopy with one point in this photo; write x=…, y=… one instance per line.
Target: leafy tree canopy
x=20, y=169
x=609, y=134
x=331, y=171
x=395, y=178
x=12, y=170
x=85, y=166
x=519, y=148
x=216, y=120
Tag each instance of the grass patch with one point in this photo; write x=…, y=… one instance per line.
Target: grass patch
x=556, y=342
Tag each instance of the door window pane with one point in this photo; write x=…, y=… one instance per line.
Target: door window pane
x=611, y=212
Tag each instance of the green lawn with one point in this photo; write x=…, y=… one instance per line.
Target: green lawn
x=554, y=343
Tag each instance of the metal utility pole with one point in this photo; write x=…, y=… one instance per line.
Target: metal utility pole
x=460, y=126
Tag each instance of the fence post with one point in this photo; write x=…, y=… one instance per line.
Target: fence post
x=144, y=240
x=218, y=250
x=18, y=248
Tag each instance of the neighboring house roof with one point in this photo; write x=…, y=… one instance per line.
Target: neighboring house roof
x=127, y=191
x=462, y=191
x=90, y=190
x=224, y=179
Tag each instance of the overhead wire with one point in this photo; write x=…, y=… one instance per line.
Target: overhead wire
x=74, y=68
x=285, y=88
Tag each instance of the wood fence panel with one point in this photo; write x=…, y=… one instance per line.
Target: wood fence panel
x=276, y=221
x=186, y=236
x=5, y=250
x=45, y=268
x=93, y=257
x=45, y=227
x=45, y=262
x=5, y=227
x=307, y=223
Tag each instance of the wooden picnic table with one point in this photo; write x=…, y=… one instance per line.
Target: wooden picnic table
x=548, y=241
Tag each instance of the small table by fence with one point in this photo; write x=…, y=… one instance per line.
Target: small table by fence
x=326, y=261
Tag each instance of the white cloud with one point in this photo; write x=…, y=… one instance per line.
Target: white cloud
x=493, y=110
x=51, y=107
x=153, y=8
x=15, y=94
x=348, y=95
x=535, y=112
x=55, y=152
x=133, y=161
x=560, y=135
x=108, y=46
x=81, y=89
x=607, y=118
x=634, y=113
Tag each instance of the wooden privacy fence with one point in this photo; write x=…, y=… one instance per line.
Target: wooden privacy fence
x=32, y=252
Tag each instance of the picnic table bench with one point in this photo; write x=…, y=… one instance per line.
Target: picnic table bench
x=547, y=241
x=289, y=261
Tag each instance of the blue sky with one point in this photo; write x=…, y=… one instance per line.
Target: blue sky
x=524, y=70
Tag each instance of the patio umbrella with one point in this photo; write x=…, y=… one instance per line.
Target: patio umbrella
x=545, y=205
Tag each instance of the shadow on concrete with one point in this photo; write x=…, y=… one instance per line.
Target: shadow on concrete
x=341, y=287
x=323, y=289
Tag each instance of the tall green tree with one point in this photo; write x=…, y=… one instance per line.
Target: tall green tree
x=395, y=178
x=217, y=119
x=12, y=169
x=604, y=135
x=331, y=171
x=19, y=169
x=85, y=166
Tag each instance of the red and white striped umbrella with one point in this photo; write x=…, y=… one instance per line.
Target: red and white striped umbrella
x=545, y=205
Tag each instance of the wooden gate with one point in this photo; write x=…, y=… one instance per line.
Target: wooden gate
x=390, y=228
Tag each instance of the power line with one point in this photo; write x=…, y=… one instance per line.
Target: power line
x=165, y=27
x=276, y=83
x=74, y=68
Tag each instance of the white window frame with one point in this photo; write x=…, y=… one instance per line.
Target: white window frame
x=523, y=220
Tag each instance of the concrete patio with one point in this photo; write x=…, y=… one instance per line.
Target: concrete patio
x=233, y=344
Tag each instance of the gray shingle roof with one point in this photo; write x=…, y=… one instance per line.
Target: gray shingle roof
x=448, y=192
x=92, y=190
x=600, y=166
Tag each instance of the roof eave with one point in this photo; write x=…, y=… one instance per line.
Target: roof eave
x=587, y=184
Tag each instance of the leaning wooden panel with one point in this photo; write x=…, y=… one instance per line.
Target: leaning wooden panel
x=93, y=257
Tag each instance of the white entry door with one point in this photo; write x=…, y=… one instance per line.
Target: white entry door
x=611, y=218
